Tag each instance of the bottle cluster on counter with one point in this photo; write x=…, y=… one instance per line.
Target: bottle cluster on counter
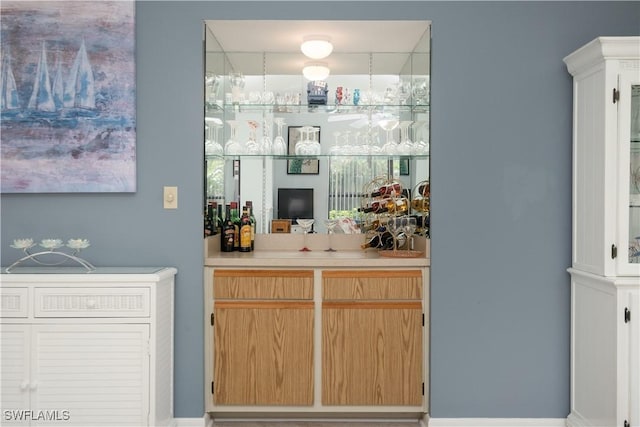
x=237, y=232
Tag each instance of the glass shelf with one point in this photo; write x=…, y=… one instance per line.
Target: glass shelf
x=214, y=108
x=320, y=156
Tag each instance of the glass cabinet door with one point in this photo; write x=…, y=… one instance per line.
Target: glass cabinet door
x=629, y=178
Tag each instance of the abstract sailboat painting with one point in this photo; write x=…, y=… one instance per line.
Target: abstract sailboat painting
x=70, y=127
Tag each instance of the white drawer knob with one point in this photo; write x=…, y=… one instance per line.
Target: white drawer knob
x=33, y=385
x=24, y=385
x=91, y=303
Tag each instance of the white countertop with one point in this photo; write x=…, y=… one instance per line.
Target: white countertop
x=281, y=251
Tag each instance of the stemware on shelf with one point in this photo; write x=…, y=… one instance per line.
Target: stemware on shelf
x=212, y=146
x=252, y=147
x=405, y=146
x=420, y=91
x=279, y=145
x=420, y=143
x=233, y=147
x=266, y=144
x=306, y=225
x=389, y=125
x=236, y=81
x=307, y=146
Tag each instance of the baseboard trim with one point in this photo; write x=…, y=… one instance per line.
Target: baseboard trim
x=206, y=421
x=497, y=422
x=192, y=422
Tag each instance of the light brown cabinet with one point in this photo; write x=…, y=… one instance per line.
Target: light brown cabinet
x=263, y=334
x=372, y=329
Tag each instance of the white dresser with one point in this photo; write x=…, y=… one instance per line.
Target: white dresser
x=605, y=271
x=87, y=349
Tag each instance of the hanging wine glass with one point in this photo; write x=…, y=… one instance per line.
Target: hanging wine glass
x=233, y=147
x=279, y=145
x=211, y=146
x=236, y=81
x=405, y=146
x=251, y=146
x=266, y=144
x=307, y=146
x=336, y=148
x=315, y=146
x=389, y=125
x=403, y=92
x=420, y=143
x=306, y=225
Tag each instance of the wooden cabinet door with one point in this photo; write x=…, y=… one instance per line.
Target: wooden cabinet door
x=372, y=353
x=263, y=352
x=372, y=337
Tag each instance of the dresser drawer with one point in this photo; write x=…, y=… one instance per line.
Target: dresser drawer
x=91, y=302
x=14, y=302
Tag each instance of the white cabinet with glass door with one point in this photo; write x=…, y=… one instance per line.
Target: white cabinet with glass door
x=605, y=271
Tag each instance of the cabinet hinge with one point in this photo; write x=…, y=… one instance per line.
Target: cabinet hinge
x=423, y=389
x=211, y=387
x=626, y=423
x=616, y=95
x=212, y=319
x=627, y=315
x=614, y=251
x=422, y=319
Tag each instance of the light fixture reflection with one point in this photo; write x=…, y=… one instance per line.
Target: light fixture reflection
x=316, y=47
x=315, y=71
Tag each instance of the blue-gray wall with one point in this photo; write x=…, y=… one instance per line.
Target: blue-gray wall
x=501, y=171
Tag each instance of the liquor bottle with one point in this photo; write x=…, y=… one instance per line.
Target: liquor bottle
x=235, y=219
x=253, y=224
x=219, y=219
x=391, y=189
x=211, y=218
x=245, y=231
x=227, y=240
x=207, y=225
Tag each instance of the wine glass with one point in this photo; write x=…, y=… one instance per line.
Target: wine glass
x=252, y=147
x=420, y=145
x=331, y=226
x=236, y=80
x=279, y=145
x=405, y=147
x=233, y=146
x=389, y=125
x=306, y=225
x=266, y=144
x=211, y=146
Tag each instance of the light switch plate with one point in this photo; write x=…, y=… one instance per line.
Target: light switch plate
x=170, y=197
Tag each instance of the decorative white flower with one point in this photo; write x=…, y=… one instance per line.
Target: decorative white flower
x=78, y=243
x=51, y=243
x=22, y=243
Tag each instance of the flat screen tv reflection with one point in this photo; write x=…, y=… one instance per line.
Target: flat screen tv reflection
x=294, y=203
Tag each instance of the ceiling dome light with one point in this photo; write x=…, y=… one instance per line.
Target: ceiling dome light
x=315, y=71
x=316, y=47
